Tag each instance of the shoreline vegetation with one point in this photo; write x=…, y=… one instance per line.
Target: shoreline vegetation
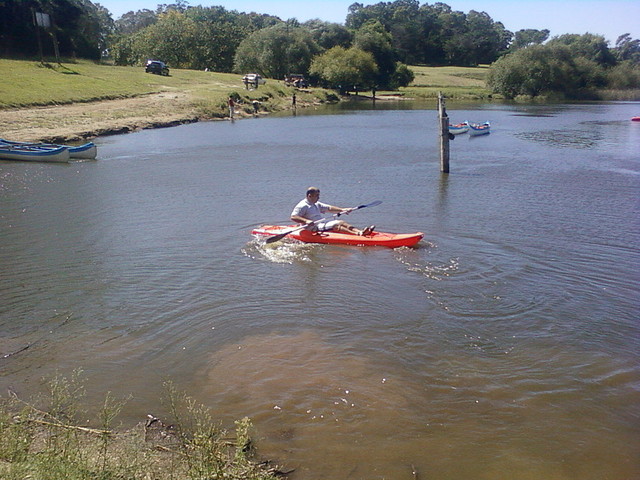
x=45, y=438
x=78, y=100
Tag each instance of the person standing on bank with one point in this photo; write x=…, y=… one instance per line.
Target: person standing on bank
x=310, y=210
x=232, y=106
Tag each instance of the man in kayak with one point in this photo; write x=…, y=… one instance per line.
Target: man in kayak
x=310, y=210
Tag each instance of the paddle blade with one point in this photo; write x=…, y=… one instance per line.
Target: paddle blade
x=275, y=238
x=372, y=204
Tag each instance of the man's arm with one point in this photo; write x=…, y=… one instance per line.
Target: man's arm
x=333, y=209
x=299, y=219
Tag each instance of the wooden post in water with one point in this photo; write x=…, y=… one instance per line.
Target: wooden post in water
x=444, y=134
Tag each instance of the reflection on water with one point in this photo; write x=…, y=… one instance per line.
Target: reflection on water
x=505, y=345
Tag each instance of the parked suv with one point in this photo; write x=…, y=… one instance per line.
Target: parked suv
x=157, y=67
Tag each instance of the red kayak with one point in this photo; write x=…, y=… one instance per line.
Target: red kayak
x=380, y=239
x=635, y=119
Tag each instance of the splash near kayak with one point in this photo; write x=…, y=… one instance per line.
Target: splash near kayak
x=378, y=239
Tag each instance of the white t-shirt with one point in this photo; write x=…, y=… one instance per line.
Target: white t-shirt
x=310, y=211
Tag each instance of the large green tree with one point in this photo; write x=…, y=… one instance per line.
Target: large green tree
x=487, y=39
x=328, y=35
x=345, y=69
x=195, y=37
x=172, y=39
x=625, y=75
x=627, y=49
x=406, y=31
x=529, y=36
x=79, y=27
x=373, y=38
x=428, y=48
x=218, y=34
x=276, y=51
x=593, y=47
x=132, y=22
x=434, y=34
x=542, y=69
x=455, y=41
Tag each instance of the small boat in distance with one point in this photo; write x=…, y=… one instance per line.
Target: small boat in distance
x=87, y=151
x=459, y=128
x=476, y=129
x=377, y=239
x=34, y=154
x=635, y=119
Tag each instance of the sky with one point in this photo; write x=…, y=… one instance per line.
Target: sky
x=610, y=18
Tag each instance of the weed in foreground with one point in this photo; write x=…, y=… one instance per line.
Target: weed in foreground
x=43, y=439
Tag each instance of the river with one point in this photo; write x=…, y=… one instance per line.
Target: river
x=505, y=345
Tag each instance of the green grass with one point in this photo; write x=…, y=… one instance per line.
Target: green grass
x=30, y=83
x=43, y=438
x=142, y=100
x=449, y=76
x=25, y=83
x=453, y=82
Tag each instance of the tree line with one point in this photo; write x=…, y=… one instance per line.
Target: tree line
x=575, y=66
x=79, y=28
x=371, y=49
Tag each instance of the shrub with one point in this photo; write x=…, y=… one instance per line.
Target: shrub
x=625, y=75
x=538, y=70
x=45, y=441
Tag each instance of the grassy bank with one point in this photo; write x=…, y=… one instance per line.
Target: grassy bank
x=30, y=83
x=80, y=99
x=454, y=82
x=184, y=96
x=25, y=83
x=44, y=438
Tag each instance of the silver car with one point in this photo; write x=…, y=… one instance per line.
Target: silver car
x=253, y=79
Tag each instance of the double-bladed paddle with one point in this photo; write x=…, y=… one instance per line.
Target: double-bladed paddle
x=280, y=236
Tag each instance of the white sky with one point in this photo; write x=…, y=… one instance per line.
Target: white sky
x=610, y=18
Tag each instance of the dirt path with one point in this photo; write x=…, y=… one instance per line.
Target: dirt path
x=75, y=122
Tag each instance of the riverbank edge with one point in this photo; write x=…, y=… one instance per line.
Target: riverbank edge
x=48, y=440
x=81, y=121
x=78, y=122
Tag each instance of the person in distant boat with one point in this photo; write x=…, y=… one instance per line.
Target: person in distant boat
x=309, y=210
